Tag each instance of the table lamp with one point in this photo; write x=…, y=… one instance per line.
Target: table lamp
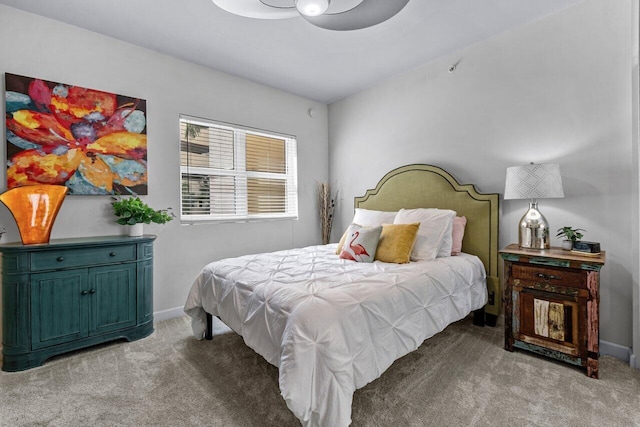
x=533, y=182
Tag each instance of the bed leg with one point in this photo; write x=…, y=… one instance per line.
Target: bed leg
x=478, y=317
x=208, y=334
x=491, y=319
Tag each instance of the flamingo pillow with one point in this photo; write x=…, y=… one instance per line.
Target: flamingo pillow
x=361, y=243
x=367, y=218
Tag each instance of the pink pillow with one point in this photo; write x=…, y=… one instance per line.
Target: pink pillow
x=457, y=234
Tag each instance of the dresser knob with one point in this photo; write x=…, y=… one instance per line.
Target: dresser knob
x=92, y=291
x=112, y=254
x=84, y=292
x=60, y=259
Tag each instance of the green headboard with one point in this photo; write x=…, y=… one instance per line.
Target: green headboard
x=426, y=186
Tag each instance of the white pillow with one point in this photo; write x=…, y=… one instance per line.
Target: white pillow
x=367, y=218
x=434, y=236
x=370, y=218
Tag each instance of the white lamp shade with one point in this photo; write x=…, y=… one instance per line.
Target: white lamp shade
x=533, y=182
x=312, y=7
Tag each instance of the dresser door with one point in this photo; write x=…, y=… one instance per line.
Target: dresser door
x=58, y=307
x=113, y=298
x=551, y=320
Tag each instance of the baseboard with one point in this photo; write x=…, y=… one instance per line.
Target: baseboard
x=616, y=350
x=159, y=316
x=633, y=362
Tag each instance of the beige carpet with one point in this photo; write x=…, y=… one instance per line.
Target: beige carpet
x=461, y=377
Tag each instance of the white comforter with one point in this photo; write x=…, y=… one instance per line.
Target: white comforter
x=331, y=325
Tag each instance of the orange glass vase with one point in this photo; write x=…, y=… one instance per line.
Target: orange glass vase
x=34, y=207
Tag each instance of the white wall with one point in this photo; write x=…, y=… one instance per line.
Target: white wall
x=556, y=90
x=38, y=47
x=635, y=106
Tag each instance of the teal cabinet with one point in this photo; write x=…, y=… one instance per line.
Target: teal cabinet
x=74, y=293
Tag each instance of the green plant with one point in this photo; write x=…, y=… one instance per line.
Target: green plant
x=132, y=211
x=573, y=234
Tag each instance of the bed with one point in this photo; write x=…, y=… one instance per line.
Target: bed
x=333, y=325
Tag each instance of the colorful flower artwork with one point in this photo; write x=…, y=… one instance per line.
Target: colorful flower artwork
x=90, y=141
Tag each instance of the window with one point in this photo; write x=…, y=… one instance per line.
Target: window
x=233, y=173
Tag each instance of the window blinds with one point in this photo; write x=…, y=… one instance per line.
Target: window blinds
x=232, y=173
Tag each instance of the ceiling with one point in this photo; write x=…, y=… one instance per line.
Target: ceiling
x=291, y=54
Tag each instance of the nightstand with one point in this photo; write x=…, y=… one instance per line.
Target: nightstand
x=551, y=303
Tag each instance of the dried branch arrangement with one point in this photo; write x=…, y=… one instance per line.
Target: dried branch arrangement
x=326, y=204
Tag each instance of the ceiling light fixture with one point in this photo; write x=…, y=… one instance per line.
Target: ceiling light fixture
x=339, y=15
x=312, y=7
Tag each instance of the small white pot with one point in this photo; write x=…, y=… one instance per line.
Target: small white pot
x=567, y=245
x=136, y=230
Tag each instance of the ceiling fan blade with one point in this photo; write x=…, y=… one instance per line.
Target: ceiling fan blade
x=366, y=14
x=256, y=9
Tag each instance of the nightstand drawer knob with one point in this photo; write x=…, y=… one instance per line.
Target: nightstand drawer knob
x=60, y=259
x=84, y=292
x=112, y=254
x=548, y=276
x=92, y=291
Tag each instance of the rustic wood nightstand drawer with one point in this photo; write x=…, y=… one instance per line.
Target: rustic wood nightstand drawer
x=549, y=275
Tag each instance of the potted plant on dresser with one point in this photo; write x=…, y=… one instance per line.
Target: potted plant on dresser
x=571, y=235
x=133, y=212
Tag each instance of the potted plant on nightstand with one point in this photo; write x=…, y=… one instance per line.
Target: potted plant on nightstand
x=571, y=235
x=134, y=212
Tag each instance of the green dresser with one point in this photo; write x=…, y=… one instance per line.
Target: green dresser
x=73, y=293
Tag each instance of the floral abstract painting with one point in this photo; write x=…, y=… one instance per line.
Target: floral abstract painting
x=92, y=142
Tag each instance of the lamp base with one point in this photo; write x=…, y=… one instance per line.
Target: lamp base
x=533, y=230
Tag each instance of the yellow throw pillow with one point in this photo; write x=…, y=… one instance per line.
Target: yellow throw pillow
x=396, y=242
